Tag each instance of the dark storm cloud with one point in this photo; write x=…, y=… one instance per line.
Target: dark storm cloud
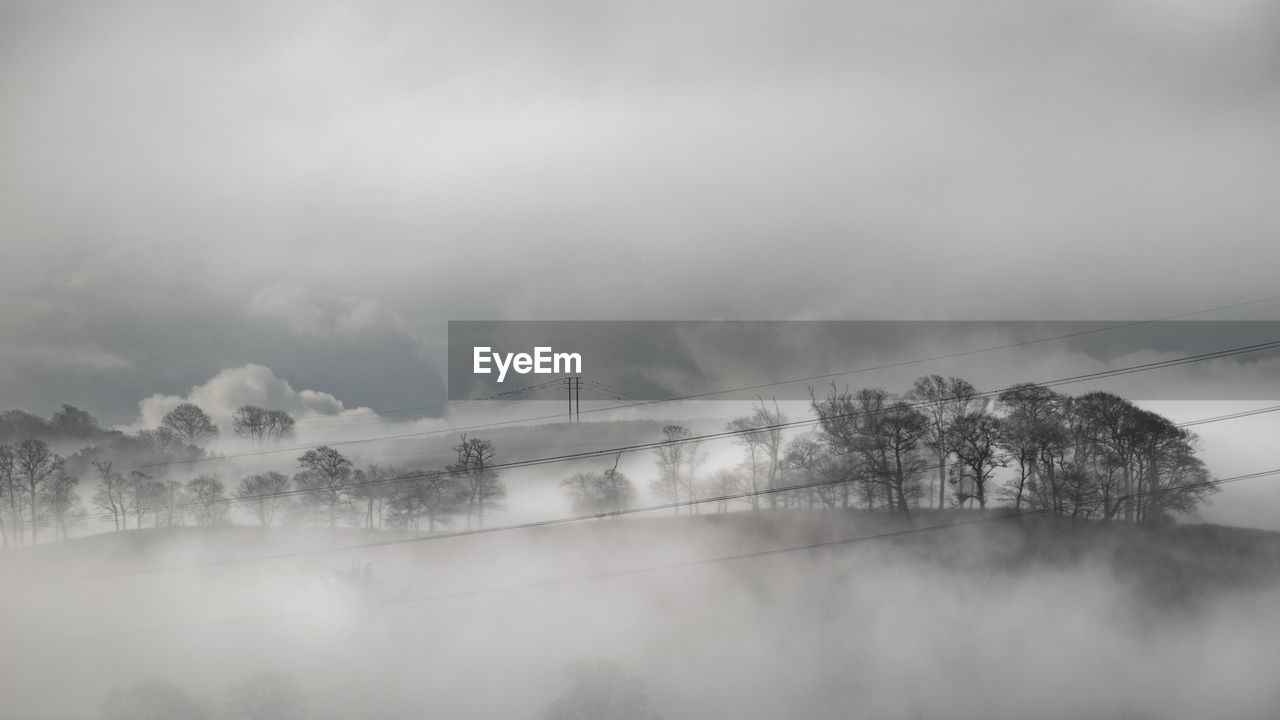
x=164, y=165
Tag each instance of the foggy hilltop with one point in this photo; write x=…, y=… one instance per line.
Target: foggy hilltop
x=1023, y=618
x=943, y=552
x=600, y=360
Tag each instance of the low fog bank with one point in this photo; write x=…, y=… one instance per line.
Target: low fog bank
x=1008, y=618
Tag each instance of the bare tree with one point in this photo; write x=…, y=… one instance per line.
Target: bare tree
x=1032, y=431
x=752, y=440
x=1111, y=445
x=724, y=482
x=208, y=499
x=617, y=490
x=35, y=464
x=847, y=420
x=897, y=434
x=325, y=481
x=112, y=494
x=597, y=493
x=1172, y=481
x=9, y=491
x=260, y=426
x=136, y=493
x=474, y=458
x=374, y=486
x=436, y=496
x=262, y=491
x=808, y=460
x=760, y=435
x=60, y=499
x=942, y=400
x=974, y=439
x=190, y=424
x=169, y=499
x=672, y=457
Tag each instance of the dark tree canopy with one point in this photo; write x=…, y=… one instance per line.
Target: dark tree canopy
x=594, y=493
x=326, y=478
x=189, y=424
x=68, y=423
x=261, y=426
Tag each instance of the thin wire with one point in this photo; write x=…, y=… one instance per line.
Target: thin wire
x=715, y=393
x=570, y=457
x=624, y=573
x=676, y=505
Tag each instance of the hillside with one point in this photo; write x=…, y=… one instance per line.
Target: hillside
x=1141, y=607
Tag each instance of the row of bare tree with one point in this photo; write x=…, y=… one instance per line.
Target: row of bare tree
x=327, y=489
x=944, y=444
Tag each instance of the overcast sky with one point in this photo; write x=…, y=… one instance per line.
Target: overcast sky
x=312, y=190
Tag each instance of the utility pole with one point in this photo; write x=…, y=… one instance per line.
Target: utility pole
x=574, y=386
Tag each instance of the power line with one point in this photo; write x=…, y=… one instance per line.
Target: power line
x=729, y=497
x=569, y=457
x=627, y=572
x=715, y=393
x=1143, y=367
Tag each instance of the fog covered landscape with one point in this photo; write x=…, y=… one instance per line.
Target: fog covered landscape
x=929, y=356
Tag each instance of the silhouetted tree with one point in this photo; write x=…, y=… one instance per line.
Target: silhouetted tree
x=974, y=439
x=35, y=464
x=373, y=486
x=261, y=426
x=670, y=458
x=9, y=493
x=896, y=439
x=943, y=400
x=1171, y=479
x=1032, y=432
x=189, y=424
x=262, y=492
x=807, y=460
x=436, y=496
x=723, y=483
x=751, y=439
x=17, y=425
x=325, y=482
x=61, y=501
x=474, y=458
x=142, y=490
x=208, y=499
x=111, y=494
x=765, y=437
x=169, y=500
x=72, y=423
x=846, y=420
x=595, y=493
